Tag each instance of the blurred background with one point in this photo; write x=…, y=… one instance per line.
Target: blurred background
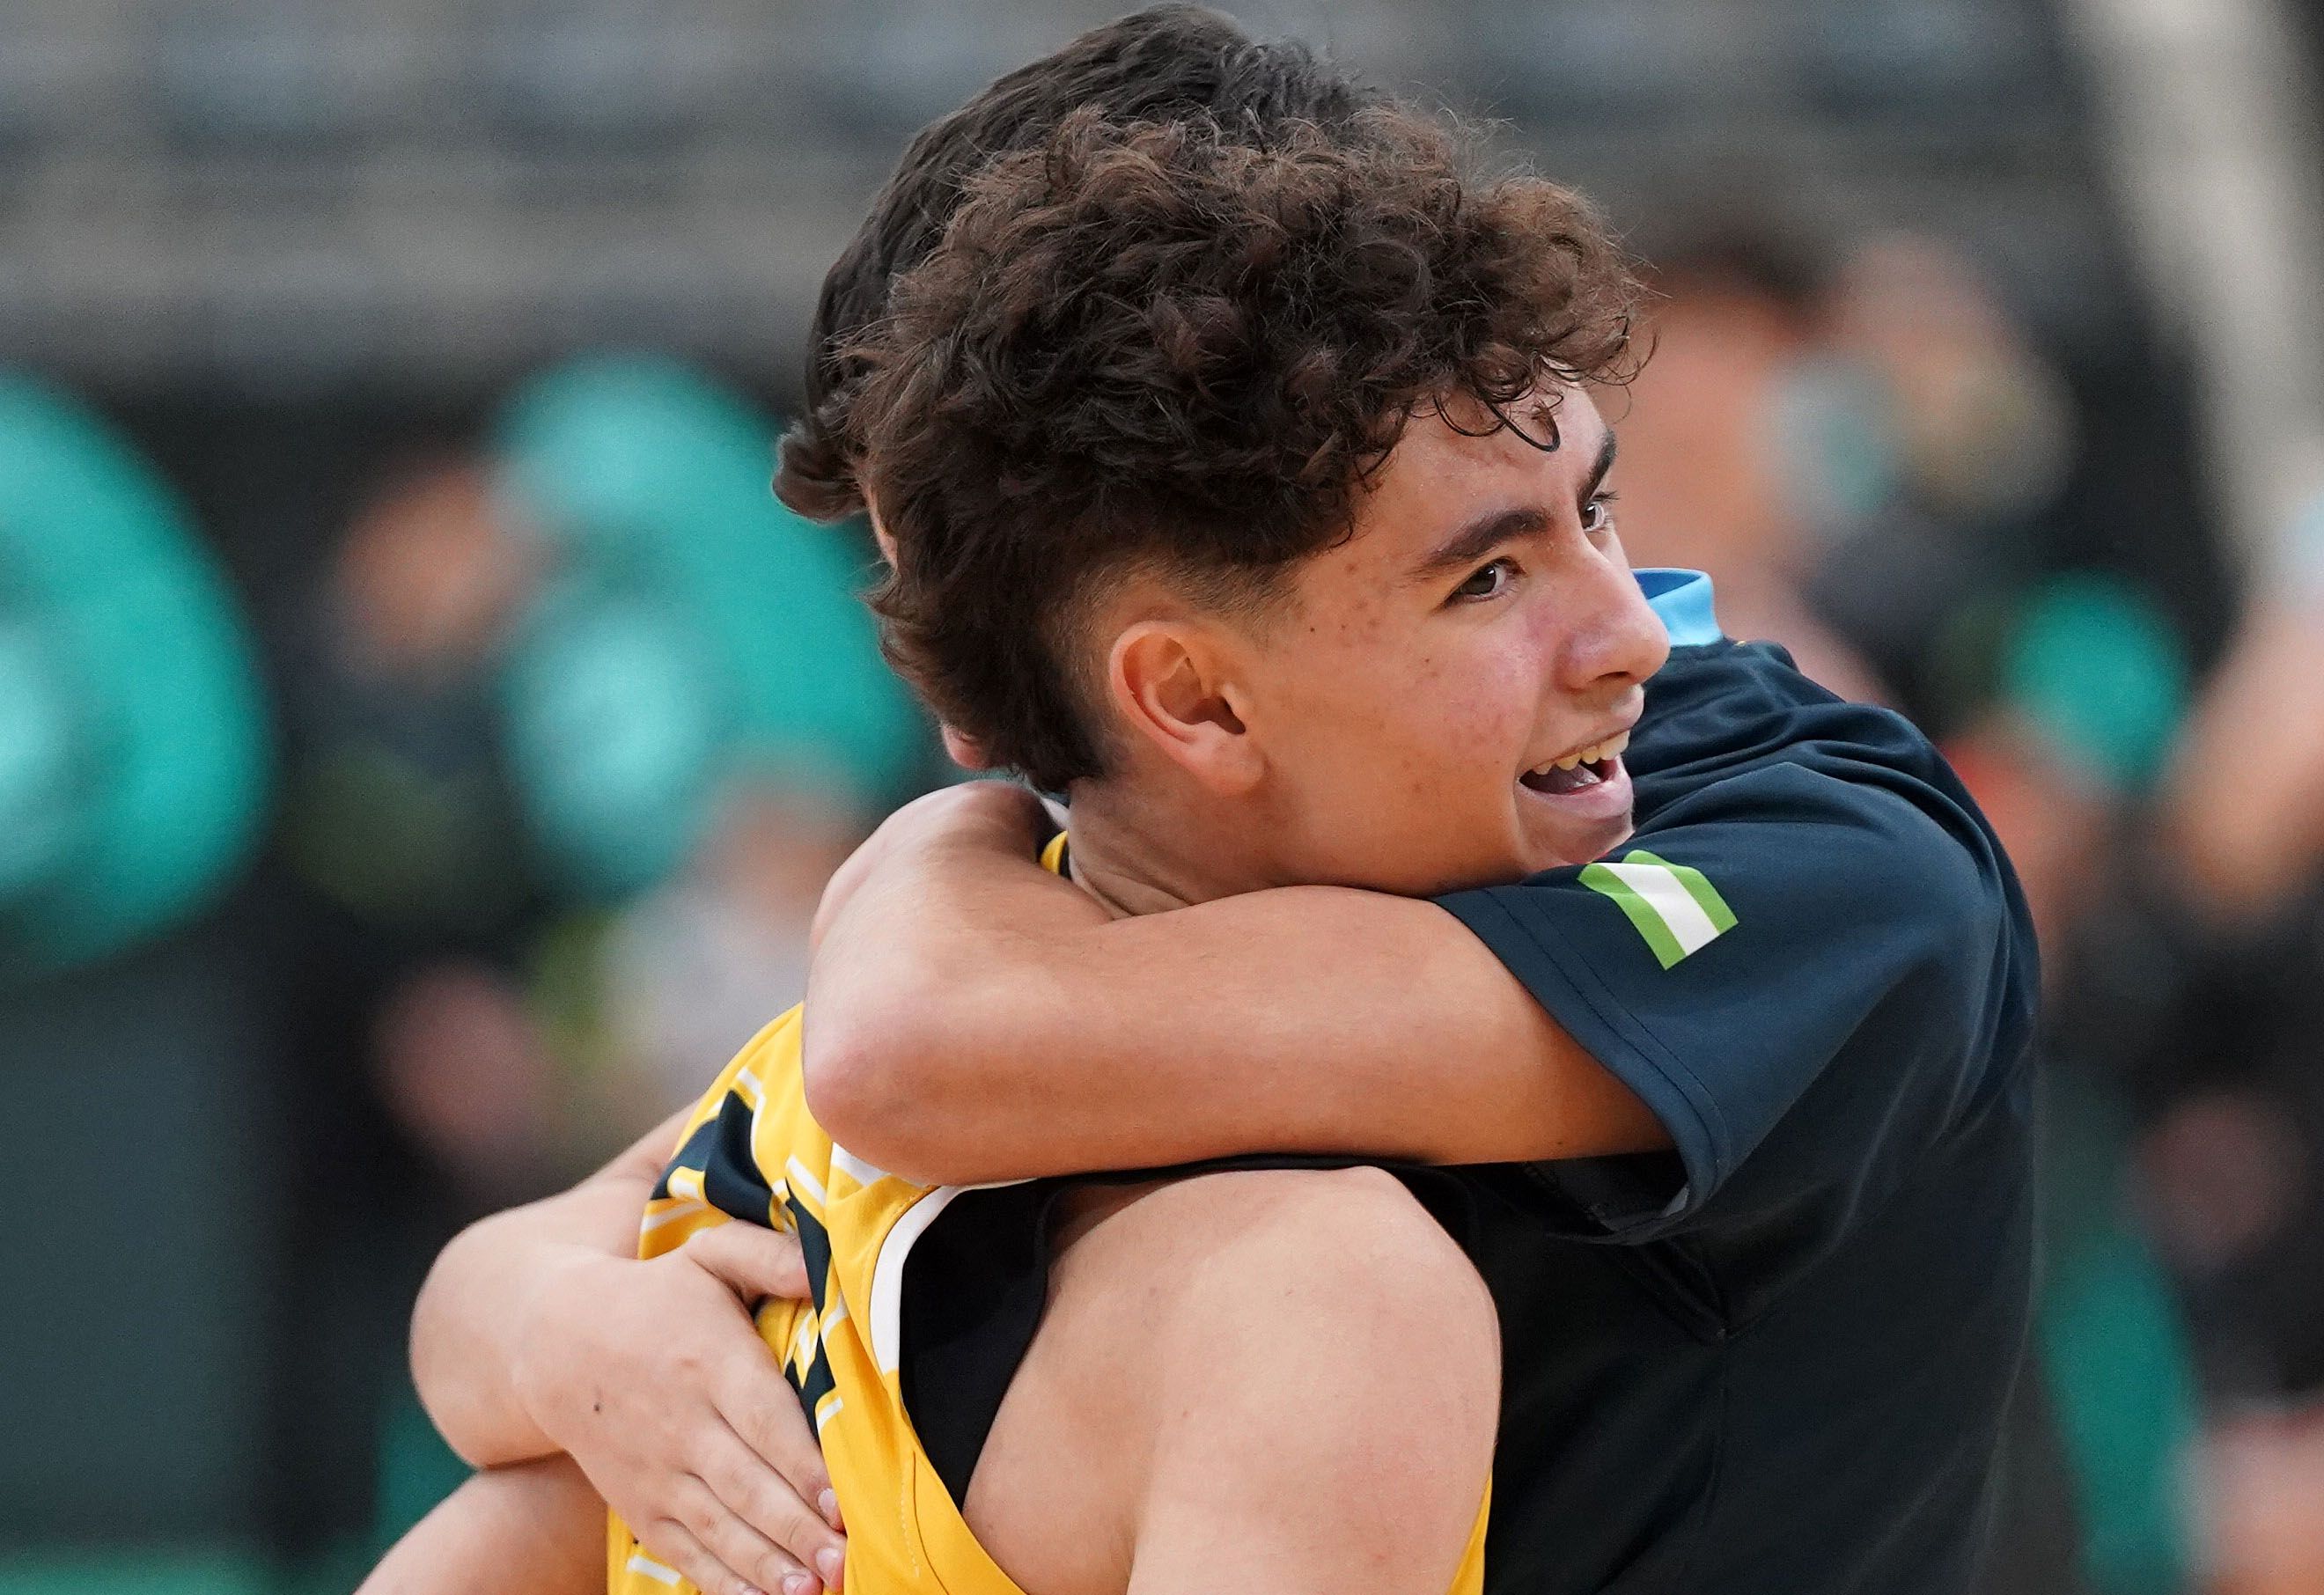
x=423, y=739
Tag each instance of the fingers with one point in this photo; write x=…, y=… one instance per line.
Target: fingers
x=786, y=1506
x=763, y=1413
x=711, y=1544
x=753, y=1261
x=774, y=1473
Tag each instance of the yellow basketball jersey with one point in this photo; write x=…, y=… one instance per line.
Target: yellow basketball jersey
x=752, y=1151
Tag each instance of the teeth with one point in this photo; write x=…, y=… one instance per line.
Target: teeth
x=1611, y=747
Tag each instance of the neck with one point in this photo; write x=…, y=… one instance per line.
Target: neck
x=1141, y=858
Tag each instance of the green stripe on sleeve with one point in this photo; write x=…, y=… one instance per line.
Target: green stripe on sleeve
x=1698, y=887
x=1642, y=916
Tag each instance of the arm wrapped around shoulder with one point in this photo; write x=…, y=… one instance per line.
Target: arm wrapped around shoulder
x=1809, y=976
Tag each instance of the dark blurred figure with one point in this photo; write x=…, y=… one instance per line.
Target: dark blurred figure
x=1878, y=469
x=1710, y=480
x=2231, y=1087
x=424, y=1093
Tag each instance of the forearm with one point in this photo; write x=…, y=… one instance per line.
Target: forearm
x=989, y=1022
x=467, y=1326
x=538, y=1528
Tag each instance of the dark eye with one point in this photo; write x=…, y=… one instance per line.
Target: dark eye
x=1490, y=581
x=1598, y=514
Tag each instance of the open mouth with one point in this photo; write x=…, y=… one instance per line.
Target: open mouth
x=1579, y=770
x=1559, y=780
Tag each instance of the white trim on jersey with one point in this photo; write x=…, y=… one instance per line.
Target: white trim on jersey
x=886, y=1322
x=801, y=1180
x=861, y=1172
x=670, y=1215
x=888, y=1273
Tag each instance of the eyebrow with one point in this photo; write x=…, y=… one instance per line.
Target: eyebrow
x=1490, y=530
x=1598, y=468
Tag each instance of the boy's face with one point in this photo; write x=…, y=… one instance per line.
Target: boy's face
x=1412, y=699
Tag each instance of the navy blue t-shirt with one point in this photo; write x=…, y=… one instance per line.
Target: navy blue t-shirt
x=1775, y=1358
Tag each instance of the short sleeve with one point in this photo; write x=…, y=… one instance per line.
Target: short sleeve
x=1808, y=978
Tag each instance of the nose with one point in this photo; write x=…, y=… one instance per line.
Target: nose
x=1618, y=639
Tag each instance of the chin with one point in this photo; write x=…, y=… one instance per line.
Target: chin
x=1587, y=847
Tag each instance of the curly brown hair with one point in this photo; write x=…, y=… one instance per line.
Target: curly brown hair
x=1159, y=346
x=1162, y=63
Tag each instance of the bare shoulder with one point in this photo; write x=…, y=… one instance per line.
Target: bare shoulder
x=1266, y=1315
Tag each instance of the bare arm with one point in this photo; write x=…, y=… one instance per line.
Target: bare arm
x=973, y=1018
x=467, y=1329
x=536, y=1528
x=539, y=1331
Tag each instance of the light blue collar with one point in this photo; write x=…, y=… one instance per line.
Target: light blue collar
x=1683, y=599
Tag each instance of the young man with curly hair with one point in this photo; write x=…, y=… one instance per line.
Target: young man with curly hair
x=1249, y=489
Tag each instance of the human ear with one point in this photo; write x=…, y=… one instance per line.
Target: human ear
x=1168, y=679
x=881, y=534
x=964, y=749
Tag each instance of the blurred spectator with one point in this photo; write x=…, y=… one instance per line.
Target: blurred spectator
x=2266, y=1474
x=606, y=664
x=401, y=808
x=1707, y=480
x=581, y=721
x=636, y=1001
x=1870, y=458
x=574, y=720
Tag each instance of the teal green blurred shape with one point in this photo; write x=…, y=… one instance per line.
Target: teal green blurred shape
x=2123, y=1388
x=2098, y=670
x=618, y=721
x=141, y=1573
x=137, y=633
x=416, y=1469
x=2113, y=1352
x=40, y=783
x=652, y=484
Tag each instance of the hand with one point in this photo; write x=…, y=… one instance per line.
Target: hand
x=652, y=1377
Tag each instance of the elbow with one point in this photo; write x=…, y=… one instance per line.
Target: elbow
x=843, y=1069
x=925, y=1068
x=465, y=1383
x=436, y=1378
x=874, y=1075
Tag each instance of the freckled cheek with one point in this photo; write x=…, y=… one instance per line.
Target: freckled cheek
x=1474, y=711
x=1441, y=727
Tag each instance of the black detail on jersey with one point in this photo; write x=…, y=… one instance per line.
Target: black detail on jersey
x=814, y=1385
x=693, y=1153
x=815, y=1248
x=719, y=1148
x=731, y=1180
x=816, y=1380
x=976, y=1285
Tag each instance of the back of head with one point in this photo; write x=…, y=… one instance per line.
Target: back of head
x=1164, y=348
x=1160, y=64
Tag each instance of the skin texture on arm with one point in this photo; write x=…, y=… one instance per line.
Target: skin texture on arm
x=539, y=1331
x=535, y=1528
x=1284, y=1380
x=466, y=1326
x=973, y=1018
